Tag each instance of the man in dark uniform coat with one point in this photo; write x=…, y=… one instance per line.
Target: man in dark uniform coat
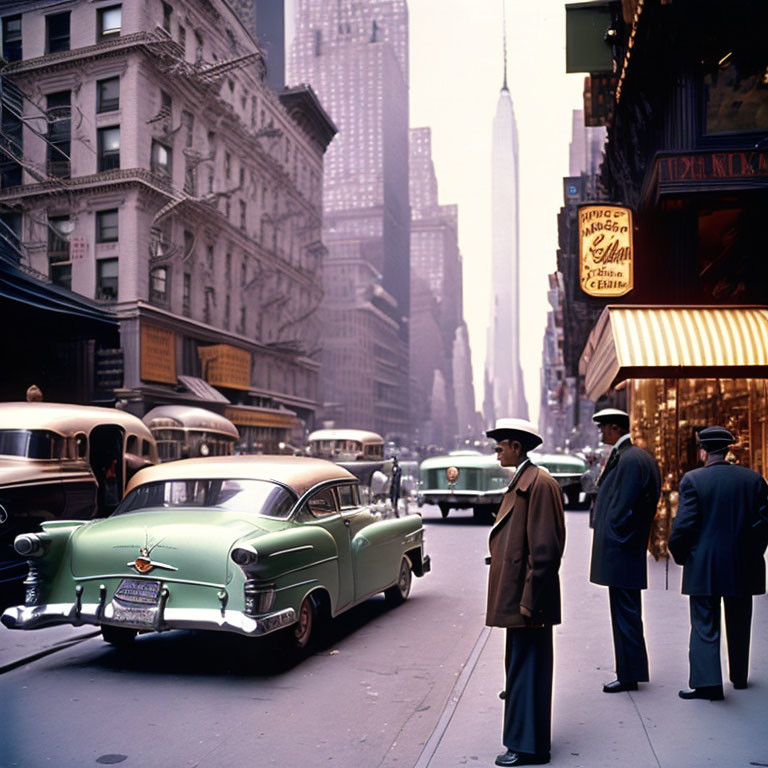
x=627, y=495
x=719, y=536
x=526, y=545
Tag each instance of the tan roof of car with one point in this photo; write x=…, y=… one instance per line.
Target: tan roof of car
x=297, y=472
x=66, y=419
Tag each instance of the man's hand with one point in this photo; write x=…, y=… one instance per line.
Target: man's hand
x=525, y=611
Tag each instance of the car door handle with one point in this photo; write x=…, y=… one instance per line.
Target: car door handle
x=346, y=522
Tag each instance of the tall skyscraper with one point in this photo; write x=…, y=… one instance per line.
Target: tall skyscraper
x=355, y=56
x=505, y=394
x=436, y=300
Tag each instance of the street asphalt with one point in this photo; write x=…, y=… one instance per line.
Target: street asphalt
x=650, y=728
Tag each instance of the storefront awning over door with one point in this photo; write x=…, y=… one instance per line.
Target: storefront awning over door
x=674, y=342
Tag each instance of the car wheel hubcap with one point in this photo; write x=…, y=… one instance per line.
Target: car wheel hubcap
x=405, y=579
x=304, y=628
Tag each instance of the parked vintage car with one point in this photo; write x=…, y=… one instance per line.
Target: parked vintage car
x=245, y=544
x=61, y=461
x=470, y=480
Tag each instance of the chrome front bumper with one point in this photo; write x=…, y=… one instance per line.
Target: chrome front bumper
x=39, y=616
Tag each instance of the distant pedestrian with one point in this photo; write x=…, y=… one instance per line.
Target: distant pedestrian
x=394, y=485
x=526, y=545
x=719, y=536
x=627, y=494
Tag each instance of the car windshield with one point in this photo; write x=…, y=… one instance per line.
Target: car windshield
x=250, y=497
x=30, y=443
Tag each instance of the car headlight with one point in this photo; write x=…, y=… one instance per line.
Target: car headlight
x=244, y=556
x=31, y=544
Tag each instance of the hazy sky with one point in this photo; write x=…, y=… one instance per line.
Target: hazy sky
x=456, y=65
x=456, y=72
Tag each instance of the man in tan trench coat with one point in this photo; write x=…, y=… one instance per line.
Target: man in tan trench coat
x=526, y=545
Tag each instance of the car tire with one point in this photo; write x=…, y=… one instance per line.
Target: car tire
x=303, y=631
x=398, y=593
x=120, y=637
x=444, y=510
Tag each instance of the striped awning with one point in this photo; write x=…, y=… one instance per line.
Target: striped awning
x=630, y=342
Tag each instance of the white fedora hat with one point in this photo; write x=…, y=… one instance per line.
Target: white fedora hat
x=516, y=429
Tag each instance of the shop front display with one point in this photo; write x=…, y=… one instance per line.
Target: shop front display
x=683, y=369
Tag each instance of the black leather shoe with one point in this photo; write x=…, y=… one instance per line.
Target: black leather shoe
x=521, y=758
x=740, y=685
x=617, y=687
x=711, y=692
x=502, y=695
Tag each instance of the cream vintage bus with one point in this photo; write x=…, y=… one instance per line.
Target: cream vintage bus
x=60, y=461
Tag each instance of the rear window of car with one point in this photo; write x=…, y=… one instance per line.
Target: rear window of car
x=249, y=497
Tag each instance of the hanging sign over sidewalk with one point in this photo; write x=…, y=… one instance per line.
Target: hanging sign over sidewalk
x=605, y=250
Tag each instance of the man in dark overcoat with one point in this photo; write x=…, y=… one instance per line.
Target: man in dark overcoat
x=719, y=536
x=627, y=494
x=526, y=546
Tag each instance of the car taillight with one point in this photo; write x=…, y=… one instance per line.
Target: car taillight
x=259, y=598
x=31, y=544
x=244, y=556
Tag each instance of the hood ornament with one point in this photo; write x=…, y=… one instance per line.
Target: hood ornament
x=143, y=563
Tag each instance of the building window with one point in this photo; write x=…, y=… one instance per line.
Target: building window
x=57, y=32
x=106, y=226
x=12, y=38
x=10, y=232
x=106, y=279
x=12, y=127
x=227, y=308
x=186, y=297
x=161, y=158
x=243, y=319
x=198, y=47
x=243, y=214
x=188, y=121
x=190, y=177
x=183, y=39
x=108, y=94
x=227, y=166
x=209, y=257
x=110, y=21
x=210, y=300
x=59, y=112
x=109, y=148
x=228, y=268
x=59, y=264
x=167, y=11
x=158, y=284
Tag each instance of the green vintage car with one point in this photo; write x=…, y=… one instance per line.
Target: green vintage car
x=245, y=544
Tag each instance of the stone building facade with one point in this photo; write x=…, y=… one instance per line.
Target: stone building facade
x=161, y=176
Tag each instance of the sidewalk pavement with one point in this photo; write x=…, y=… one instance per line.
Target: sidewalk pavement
x=649, y=728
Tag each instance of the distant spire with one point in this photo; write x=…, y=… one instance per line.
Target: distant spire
x=504, y=30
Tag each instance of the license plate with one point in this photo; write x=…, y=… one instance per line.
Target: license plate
x=136, y=603
x=138, y=591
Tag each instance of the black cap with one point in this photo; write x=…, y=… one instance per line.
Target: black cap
x=715, y=439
